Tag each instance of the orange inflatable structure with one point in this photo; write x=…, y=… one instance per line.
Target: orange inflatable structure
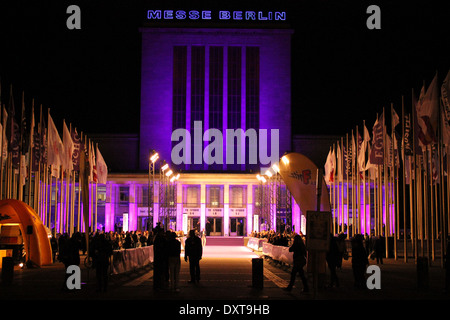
x=35, y=235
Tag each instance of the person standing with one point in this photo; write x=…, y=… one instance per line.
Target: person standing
x=102, y=251
x=174, y=251
x=194, y=251
x=299, y=249
x=333, y=258
x=160, y=260
x=359, y=261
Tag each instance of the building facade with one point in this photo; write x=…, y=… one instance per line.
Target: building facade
x=216, y=108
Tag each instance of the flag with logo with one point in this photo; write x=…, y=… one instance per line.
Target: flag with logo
x=76, y=151
x=377, y=152
x=13, y=133
x=445, y=100
x=299, y=174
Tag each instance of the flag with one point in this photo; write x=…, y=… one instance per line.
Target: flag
x=339, y=175
x=68, y=149
x=4, y=138
x=407, y=139
x=417, y=130
x=300, y=175
x=76, y=151
x=445, y=116
x=330, y=166
x=13, y=133
x=55, y=151
x=24, y=139
x=34, y=143
x=377, y=152
x=92, y=163
x=395, y=119
x=428, y=112
x=102, y=169
x=362, y=155
x=84, y=183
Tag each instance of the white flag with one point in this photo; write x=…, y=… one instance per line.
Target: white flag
x=67, y=163
x=55, y=145
x=102, y=169
x=330, y=167
x=362, y=161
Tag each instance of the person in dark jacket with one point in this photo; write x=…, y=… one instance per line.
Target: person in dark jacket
x=379, y=249
x=193, y=250
x=102, y=251
x=299, y=249
x=174, y=251
x=333, y=257
x=359, y=261
x=160, y=265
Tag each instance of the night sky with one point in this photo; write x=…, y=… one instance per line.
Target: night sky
x=342, y=72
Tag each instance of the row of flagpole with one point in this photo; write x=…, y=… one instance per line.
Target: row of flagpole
x=379, y=186
x=45, y=171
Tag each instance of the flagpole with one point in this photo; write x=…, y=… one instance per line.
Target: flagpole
x=386, y=189
x=342, y=187
x=442, y=182
x=1, y=152
x=405, y=243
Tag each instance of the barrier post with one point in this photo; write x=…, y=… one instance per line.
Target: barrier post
x=7, y=270
x=257, y=273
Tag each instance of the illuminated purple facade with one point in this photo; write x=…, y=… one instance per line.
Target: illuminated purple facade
x=218, y=78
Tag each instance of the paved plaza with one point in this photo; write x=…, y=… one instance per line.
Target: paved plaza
x=226, y=278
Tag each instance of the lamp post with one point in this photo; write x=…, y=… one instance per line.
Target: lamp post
x=263, y=202
x=162, y=192
x=272, y=199
x=151, y=185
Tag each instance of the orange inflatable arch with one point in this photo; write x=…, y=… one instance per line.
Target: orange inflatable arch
x=36, y=244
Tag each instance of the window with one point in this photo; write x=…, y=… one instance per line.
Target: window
x=101, y=195
x=257, y=193
x=237, y=196
x=179, y=86
x=124, y=195
x=216, y=92
x=234, y=99
x=216, y=87
x=193, y=196
x=234, y=87
x=251, y=99
x=197, y=95
x=214, y=196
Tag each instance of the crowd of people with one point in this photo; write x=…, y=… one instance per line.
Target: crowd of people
x=362, y=249
x=284, y=239
x=167, y=248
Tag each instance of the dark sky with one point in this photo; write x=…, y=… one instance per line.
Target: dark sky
x=342, y=73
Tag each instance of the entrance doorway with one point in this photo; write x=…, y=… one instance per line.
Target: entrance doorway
x=213, y=226
x=194, y=223
x=237, y=227
x=145, y=223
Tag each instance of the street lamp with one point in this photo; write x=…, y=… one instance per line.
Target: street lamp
x=154, y=156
